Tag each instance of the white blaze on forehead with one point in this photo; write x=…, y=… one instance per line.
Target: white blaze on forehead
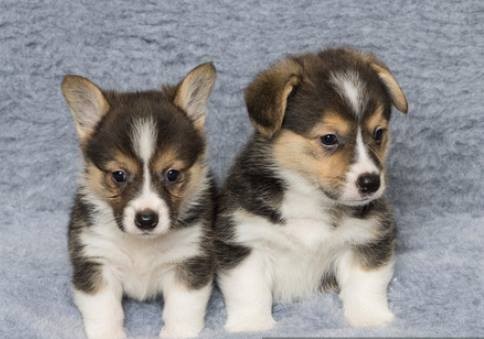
x=350, y=87
x=144, y=138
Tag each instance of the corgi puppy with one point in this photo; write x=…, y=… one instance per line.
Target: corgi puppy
x=141, y=221
x=302, y=208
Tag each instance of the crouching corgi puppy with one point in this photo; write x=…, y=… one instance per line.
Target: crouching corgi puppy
x=303, y=208
x=141, y=222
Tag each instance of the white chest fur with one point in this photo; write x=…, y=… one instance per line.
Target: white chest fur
x=298, y=253
x=138, y=263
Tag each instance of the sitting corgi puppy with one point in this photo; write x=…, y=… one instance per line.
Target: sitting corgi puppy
x=142, y=216
x=302, y=208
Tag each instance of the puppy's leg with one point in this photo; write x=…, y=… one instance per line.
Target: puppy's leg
x=102, y=311
x=184, y=310
x=248, y=297
x=364, y=291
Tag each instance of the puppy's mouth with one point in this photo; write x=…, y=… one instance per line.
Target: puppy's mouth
x=148, y=234
x=357, y=202
x=142, y=234
x=336, y=197
x=364, y=200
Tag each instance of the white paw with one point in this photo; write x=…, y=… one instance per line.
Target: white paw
x=361, y=316
x=180, y=331
x=111, y=333
x=252, y=324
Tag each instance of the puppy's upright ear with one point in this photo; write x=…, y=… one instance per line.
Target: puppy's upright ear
x=86, y=102
x=193, y=91
x=266, y=97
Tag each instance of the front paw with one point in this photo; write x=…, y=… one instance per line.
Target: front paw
x=180, y=331
x=252, y=324
x=104, y=333
x=368, y=315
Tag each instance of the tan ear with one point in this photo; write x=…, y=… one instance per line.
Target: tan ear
x=399, y=99
x=266, y=97
x=86, y=102
x=193, y=91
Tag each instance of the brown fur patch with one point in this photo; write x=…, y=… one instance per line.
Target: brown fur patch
x=195, y=175
x=332, y=123
x=373, y=121
x=376, y=119
x=308, y=157
x=122, y=161
x=164, y=159
x=101, y=182
x=187, y=186
x=191, y=177
x=96, y=180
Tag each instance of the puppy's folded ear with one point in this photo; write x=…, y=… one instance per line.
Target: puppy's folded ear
x=266, y=97
x=399, y=99
x=397, y=96
x=193, y=91
x=86, y=102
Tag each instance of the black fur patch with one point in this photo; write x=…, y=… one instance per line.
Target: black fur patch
x=253, y=186
x=381, y=250
x=329, y=282
x=199, y=271
x=86, y=271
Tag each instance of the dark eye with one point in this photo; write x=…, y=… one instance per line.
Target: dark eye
x=378, y=135
x=172, y=175
x=119, y=176
x=329, y=140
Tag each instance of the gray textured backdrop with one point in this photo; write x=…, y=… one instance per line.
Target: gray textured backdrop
x=435, y=48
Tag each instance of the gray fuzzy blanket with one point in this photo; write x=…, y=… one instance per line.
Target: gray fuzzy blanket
x=435, y=48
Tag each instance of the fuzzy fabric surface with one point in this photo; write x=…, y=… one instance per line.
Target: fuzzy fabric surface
x=435, y=48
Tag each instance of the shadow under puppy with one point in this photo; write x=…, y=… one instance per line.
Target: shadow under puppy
x=141, y=221
x=302, y=207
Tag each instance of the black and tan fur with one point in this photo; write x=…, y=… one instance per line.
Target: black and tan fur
x=292, y=105
x=110, y=256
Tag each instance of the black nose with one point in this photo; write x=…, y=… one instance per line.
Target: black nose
x=368, y=183
x=146, y=220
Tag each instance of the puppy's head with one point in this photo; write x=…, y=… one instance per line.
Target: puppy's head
x=327, y=117
x=144, y=151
